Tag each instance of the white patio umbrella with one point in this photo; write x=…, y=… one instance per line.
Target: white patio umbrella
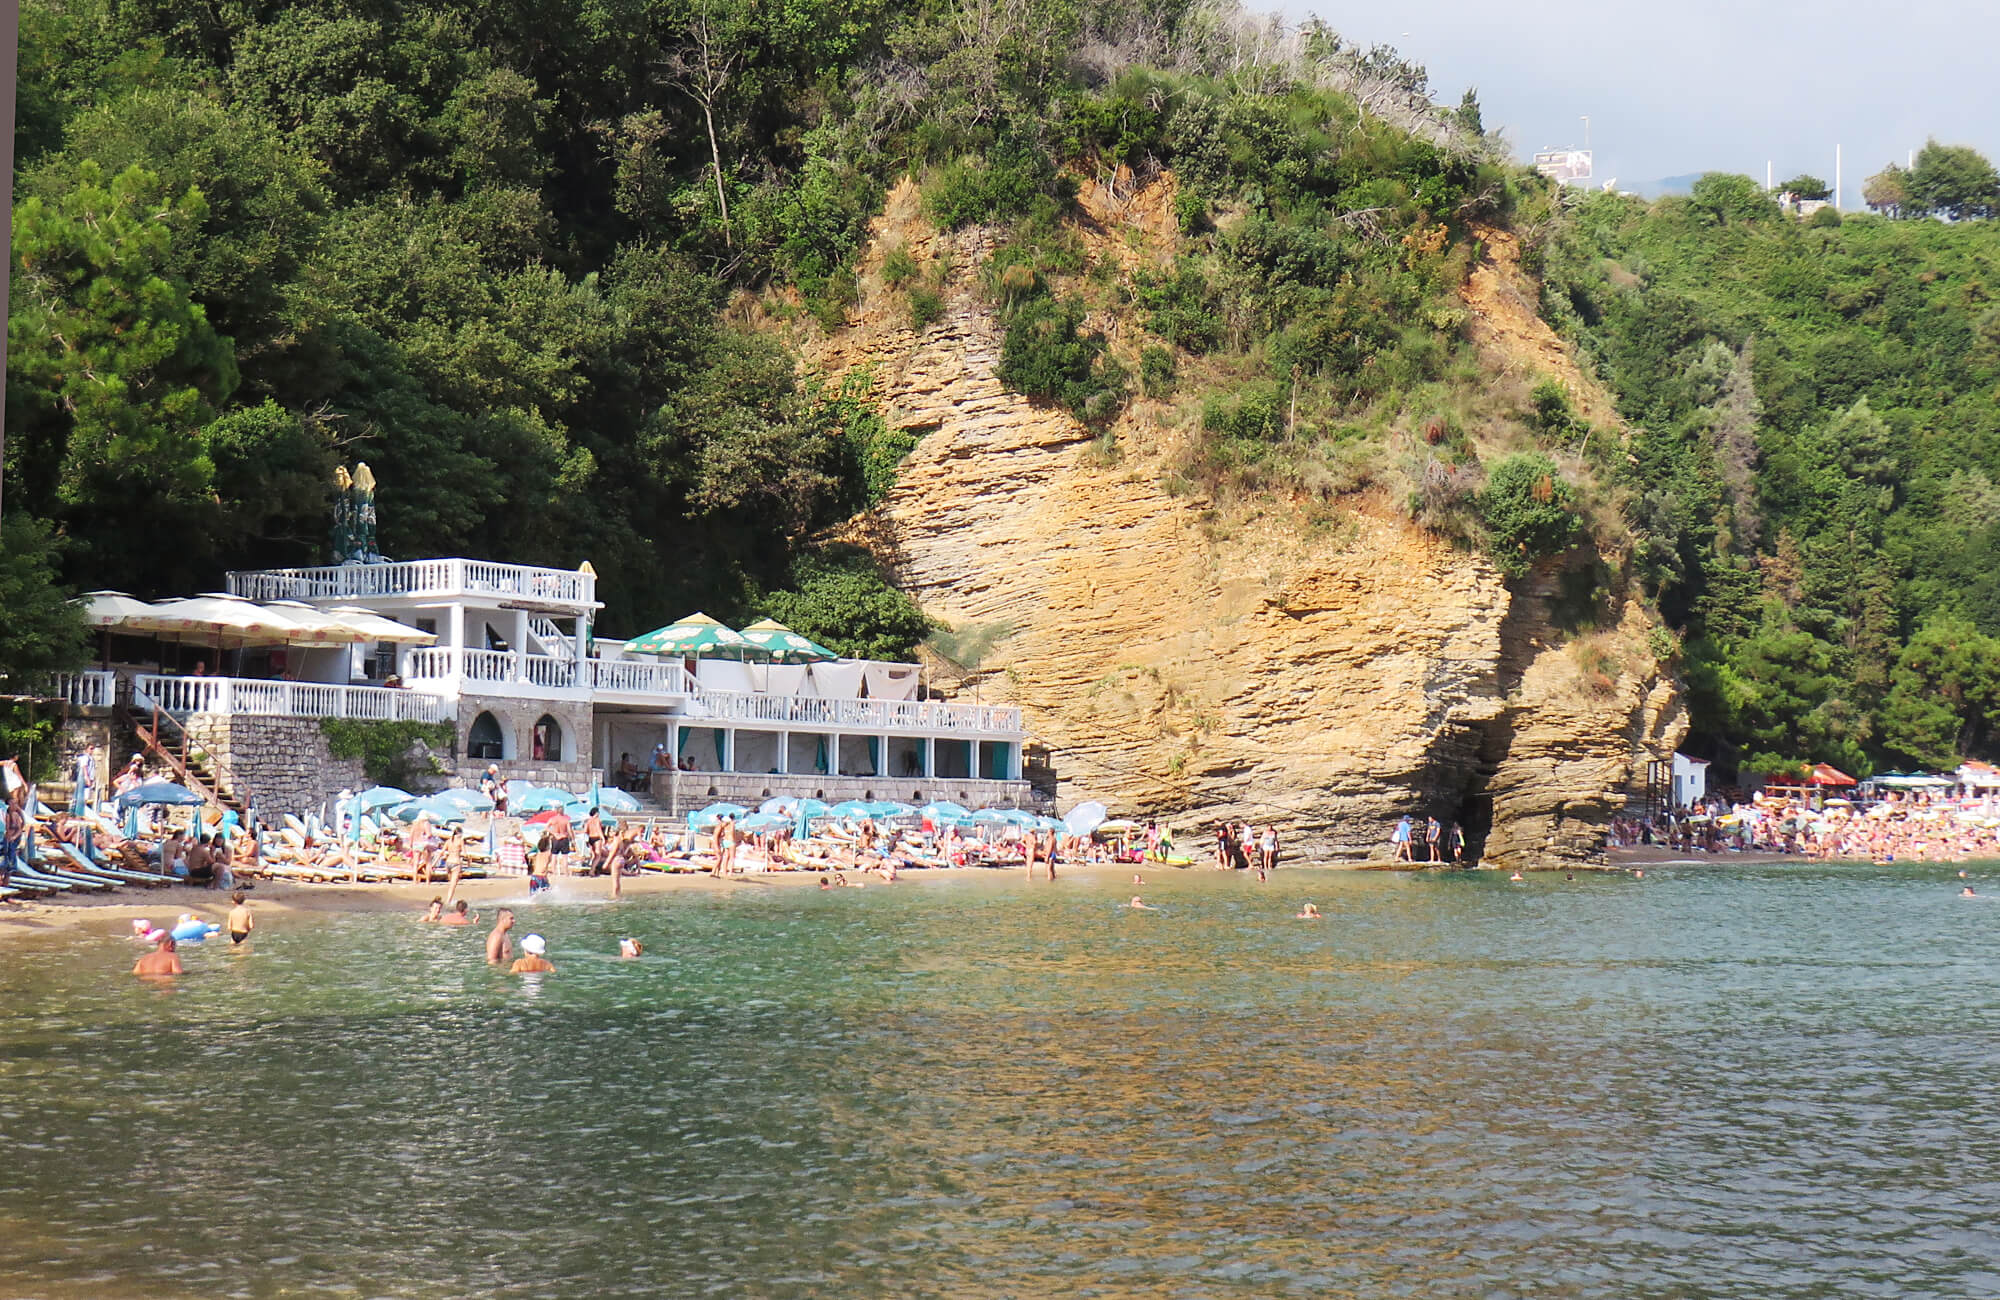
x=115, y=611
x=376, y=628
x=317, y=626
x=224, y=621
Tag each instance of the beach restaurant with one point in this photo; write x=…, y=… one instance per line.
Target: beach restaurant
x=508, y=656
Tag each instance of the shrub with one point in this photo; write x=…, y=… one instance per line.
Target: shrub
x=1047, y=355
x=384, y=747
x=898, y=267
x=1184, y=310
x=976, y=189
x=1253, y=413
x=840, y=599
x=1157, y=370
x=926, y=308
x=1552, y=413
x=1528, y=511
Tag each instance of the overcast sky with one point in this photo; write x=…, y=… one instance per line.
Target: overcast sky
x=1678, y=86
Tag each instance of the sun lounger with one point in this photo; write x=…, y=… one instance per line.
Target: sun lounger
x=124, y=875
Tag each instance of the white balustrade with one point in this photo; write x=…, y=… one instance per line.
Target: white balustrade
x=636, y=676
x=241, y=696
x=417, y=578
x=894, y=715
x=93, y=689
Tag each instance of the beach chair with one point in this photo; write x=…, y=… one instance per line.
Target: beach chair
x=102, y=868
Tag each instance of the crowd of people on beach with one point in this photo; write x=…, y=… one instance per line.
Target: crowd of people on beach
x=1899, y=826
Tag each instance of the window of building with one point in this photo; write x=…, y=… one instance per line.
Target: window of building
x=548, y=740
x=484, y=739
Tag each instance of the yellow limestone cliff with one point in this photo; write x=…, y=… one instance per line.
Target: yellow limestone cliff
x=1202, y=663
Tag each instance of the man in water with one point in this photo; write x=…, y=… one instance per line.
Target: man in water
x=457, y=915
x=499, y=947
x=630, y=948
x=163, y=960
x=531, y=961
x=1140, y=905
x=1967, y=892
x=240, y=925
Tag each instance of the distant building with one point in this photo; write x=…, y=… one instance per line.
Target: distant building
x=514, y=670
x=1690, y=780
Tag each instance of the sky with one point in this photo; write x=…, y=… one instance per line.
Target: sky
x=1679, y=86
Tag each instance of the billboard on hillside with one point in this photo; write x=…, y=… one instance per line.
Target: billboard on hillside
x=1564, y=165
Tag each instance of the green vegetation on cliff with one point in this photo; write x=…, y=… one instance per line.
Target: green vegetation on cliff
x=1812, y=474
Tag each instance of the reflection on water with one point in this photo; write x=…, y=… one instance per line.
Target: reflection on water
x=1765, y=1082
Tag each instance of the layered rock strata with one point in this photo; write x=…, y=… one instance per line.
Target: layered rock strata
x=1186, y=657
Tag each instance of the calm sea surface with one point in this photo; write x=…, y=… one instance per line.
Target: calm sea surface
x=1756, y=1082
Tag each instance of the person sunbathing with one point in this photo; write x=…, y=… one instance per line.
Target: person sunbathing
x=163, y=960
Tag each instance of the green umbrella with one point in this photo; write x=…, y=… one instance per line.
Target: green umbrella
x=785, y=646
x=697, y=635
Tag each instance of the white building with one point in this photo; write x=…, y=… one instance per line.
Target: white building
x=513, y=667
x=1690, y=780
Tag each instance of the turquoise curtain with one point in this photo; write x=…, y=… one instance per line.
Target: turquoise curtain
x=686, y=738
x=720, y=765
x=819, y=762
x=874, y=756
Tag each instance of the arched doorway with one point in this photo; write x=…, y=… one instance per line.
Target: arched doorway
x=484, y=739
x=548, y=740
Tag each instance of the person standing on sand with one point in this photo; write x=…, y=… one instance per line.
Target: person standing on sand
x=163, y=960
x=495, y=789
x=1431, y=833
x=239, y=923
x=499, y=947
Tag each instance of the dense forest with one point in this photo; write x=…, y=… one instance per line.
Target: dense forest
x=543, y=267
x=1815, y=451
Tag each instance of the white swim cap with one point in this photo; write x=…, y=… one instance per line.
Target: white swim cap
x=534, y=945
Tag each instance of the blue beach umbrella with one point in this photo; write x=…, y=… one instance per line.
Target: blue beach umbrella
x=805, y=812
x=158, y=791
x=441, y=810
x=947, y=809
x=381, y=796
x=849, y=809
x=615, y=800
x=715, y=812
x=542, y=799
x=777, y=804
x=466, y=800
x=757, y=823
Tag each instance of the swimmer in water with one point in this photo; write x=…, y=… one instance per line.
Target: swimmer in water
x=1138, y=879
x=163, y=960
x=435, y=912
x=1307, y=913
x=1967, y=892
x=629, y=948
x=1141, y=905
x=1639, y=873
x=531, y=961
x=1515, y=878
x=457, y=915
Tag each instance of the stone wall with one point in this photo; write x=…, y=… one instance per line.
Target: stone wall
x=684, y=792
x=283, y=764
x=71, y=737
x=517, y=719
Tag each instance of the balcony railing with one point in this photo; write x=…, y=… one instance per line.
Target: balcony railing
x=94, y=689
x=182, y=696
x=815, y=711
x=441, y=578
x=637, y=677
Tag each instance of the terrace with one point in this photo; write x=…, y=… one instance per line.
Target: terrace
x=526, y=586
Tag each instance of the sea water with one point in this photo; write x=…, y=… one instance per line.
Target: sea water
x=1716, y=1081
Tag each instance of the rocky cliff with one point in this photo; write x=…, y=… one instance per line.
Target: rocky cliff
x=1215, y=659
